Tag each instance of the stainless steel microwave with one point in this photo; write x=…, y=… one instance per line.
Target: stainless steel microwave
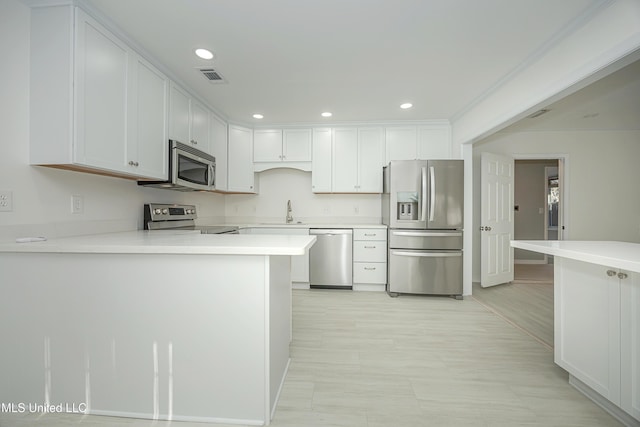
x=189, y=170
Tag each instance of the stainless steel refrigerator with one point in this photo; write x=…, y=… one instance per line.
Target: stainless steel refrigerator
x=423, y=206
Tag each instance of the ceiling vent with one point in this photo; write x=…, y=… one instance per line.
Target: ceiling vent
x=539, y=113
x=212, y=75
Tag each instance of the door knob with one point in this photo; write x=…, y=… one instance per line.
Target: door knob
x=611, y=273
x=488, y=228
x=622, y=275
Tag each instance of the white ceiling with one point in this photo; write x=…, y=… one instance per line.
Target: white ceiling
x=360, y=59
x=611, y=103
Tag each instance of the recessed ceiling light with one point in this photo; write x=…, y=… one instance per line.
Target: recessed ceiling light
x=204, y=53
x=258, y=116
x=406, y=105
x=326, y=114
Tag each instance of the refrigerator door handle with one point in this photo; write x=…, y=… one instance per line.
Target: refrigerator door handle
x=427, y=254
x=424, y=234
x=423, y=216
x=432, y=193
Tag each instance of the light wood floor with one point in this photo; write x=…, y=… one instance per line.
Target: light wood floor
x=363, y=359
x=527, y=302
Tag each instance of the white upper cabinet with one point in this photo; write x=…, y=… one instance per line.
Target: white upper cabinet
x=345, y=160
x=99, y=107
x=267, y=145
x=358, y=160
x=370, y=159
x=199, y=137
x=282, y=148
x=321, y=166
x=101, y=74
x=219, y=147
x=149, y=127
x=240, y=160
x=432, y=141
x=296, y=145
x=188, y=120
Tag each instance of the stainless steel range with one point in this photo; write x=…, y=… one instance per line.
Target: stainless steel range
x=158, y=216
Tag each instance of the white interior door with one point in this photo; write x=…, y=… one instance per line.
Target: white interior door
x=496, y=226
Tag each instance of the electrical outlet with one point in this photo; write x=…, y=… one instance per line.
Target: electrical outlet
x=6, y=201
x=356, y=209
x=77, y=204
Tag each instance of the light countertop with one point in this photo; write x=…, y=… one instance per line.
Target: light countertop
x=621, y=255
x=306, y=225
x=170, y=242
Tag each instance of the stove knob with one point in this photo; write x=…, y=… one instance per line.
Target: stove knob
x=165, y=211
x=157, y=211
x=188, y=211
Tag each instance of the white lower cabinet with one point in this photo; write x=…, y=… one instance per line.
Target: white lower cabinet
x=369, y=259
x=597, y=330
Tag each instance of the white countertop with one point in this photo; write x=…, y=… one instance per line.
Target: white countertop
x=306, y=225
x=621, y=255
x=170, y=242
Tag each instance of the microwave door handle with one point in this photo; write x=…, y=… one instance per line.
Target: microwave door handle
x=432, y=195
x=212, y=176
x=423, y=216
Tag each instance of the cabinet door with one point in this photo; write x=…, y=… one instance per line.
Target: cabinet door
x=321, y=161
x=296, y=145
x=102, y=68
x=630, y=343
x=370, y=160
x=587, y=325
x=267, y=145
x=345, y=160
x=199, y=129
x=148, y=142
x=178, y=115
x=434, y=142
x=240, y=152
x=401, y=143
x=218, y=144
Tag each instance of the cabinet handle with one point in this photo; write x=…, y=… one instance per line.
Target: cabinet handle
x=369, y=268
x=193, y=141
x=369, y=247
x=611, y=273
x=622, y=275
x=370, y=235
x=132, y=163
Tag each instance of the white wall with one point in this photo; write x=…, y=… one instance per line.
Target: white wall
x=42, y=196
x=602, y=177
x=276, y=186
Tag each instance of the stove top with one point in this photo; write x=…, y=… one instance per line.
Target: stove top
x=162, y=216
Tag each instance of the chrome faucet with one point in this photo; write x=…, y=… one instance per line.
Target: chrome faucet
x=289, y=218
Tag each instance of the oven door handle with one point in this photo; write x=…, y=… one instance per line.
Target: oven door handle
x=427, y=254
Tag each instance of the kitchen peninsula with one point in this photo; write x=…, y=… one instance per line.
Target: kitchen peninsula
x=161, y=325
x=597, y=320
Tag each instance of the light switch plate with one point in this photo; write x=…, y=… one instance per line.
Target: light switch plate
x=6, y=201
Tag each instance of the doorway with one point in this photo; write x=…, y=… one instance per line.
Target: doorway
x=537, y=214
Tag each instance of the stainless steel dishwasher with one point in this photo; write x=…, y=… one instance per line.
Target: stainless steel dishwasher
x=331, y=258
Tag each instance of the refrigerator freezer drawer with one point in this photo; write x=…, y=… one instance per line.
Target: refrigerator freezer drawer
x=425, y=272
x=425, y=239
x=370, y=272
